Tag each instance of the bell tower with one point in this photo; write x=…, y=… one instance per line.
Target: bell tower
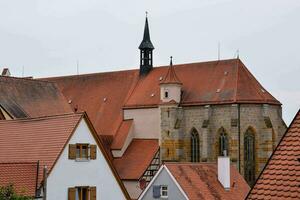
x=146, y=47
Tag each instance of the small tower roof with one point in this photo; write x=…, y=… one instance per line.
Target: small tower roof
x=171, y=76
x=146, y=43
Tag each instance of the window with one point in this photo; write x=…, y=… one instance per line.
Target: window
x=249, y=156
x=223, y=143
x=164, y=191
x=82, y=151
x=195, y=151
x=166, y=94
x=82, y=193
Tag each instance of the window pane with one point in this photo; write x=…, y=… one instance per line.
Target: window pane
x=78, y=151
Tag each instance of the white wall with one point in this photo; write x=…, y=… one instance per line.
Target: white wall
x=146, y=122
x=174, y=91
x=70, y=173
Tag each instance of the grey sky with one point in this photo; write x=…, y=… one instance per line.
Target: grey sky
x=48, y=36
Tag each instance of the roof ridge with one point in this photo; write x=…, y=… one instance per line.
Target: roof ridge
x=128, y=70
x=43, y=117
x=25, y=79
x=18, y=162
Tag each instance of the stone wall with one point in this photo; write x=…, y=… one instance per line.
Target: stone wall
x=262, y=119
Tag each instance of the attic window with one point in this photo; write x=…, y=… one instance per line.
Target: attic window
x=218, y=90
x=160, y=78
x=82, y=151
x=164, y=191
x=263, y=90
x=152, y=95
x=225, y=73
x=104, y=99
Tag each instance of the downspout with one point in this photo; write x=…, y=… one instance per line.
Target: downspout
x=239, y=135
x=37, y=178
x=45, y=183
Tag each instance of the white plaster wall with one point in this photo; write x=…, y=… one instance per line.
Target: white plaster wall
x=119, y=153
x=174, y=91
x=70, y=173
x=133, y=188
x=146, y=122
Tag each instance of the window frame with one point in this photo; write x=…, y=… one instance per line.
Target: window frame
x=164, y=188
x=87, y=188
x=87, y=151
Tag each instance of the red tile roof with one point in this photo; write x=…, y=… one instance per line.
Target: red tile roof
x=21, y=174
x=43, y=139
x=200, y=181
x=216, y=82
x=22, y=97
x=136, y=159
x=103, y=95
x=121, y=134
x=171, y=76
x=280, y=178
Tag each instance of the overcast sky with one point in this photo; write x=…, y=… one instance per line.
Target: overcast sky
x=47, y=37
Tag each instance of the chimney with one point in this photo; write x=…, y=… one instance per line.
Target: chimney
x=224, y=171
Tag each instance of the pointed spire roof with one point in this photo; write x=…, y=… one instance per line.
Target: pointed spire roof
x=171, y=76
x=146, y=43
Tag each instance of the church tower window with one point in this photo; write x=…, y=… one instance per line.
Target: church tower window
x=195, y=147
x=223, y=143
x=249, y=156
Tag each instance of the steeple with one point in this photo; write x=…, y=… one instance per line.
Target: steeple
x=170, y=87
x=146, y=47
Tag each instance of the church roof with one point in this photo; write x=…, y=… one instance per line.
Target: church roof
x=22, y=97
x=146, y=42
x=281, y=175
x=103, y=95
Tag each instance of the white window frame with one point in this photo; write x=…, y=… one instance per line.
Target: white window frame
x=163, y=190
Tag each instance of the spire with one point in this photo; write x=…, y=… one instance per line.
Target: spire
x=146, y=43
x=171, y=76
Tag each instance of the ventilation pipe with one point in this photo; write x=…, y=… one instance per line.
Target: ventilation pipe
x=224, y=171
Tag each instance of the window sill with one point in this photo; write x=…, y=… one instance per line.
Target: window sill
x=82, y=160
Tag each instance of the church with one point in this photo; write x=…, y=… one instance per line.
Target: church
x=191, y=112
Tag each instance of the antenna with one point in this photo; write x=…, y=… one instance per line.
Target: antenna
x=77, y=65
x=219, y=50
x=146, y=13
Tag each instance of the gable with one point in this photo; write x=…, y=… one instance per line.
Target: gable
x=163, y=177
x=71, y=173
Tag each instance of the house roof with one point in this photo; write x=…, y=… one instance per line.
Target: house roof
x=22, y=97
x=121, y=134
x=199, y=181
x=33, y=139
x=22, y=174
x=281, y=176
x=136, y=159
x=43, y=139
x=103, y=95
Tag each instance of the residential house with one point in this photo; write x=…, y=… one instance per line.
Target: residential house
x=195, y=181
x=68, y=149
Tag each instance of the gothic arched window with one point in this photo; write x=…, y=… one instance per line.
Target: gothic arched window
x=195, y=146
x=249, y=156
x=223, y=143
